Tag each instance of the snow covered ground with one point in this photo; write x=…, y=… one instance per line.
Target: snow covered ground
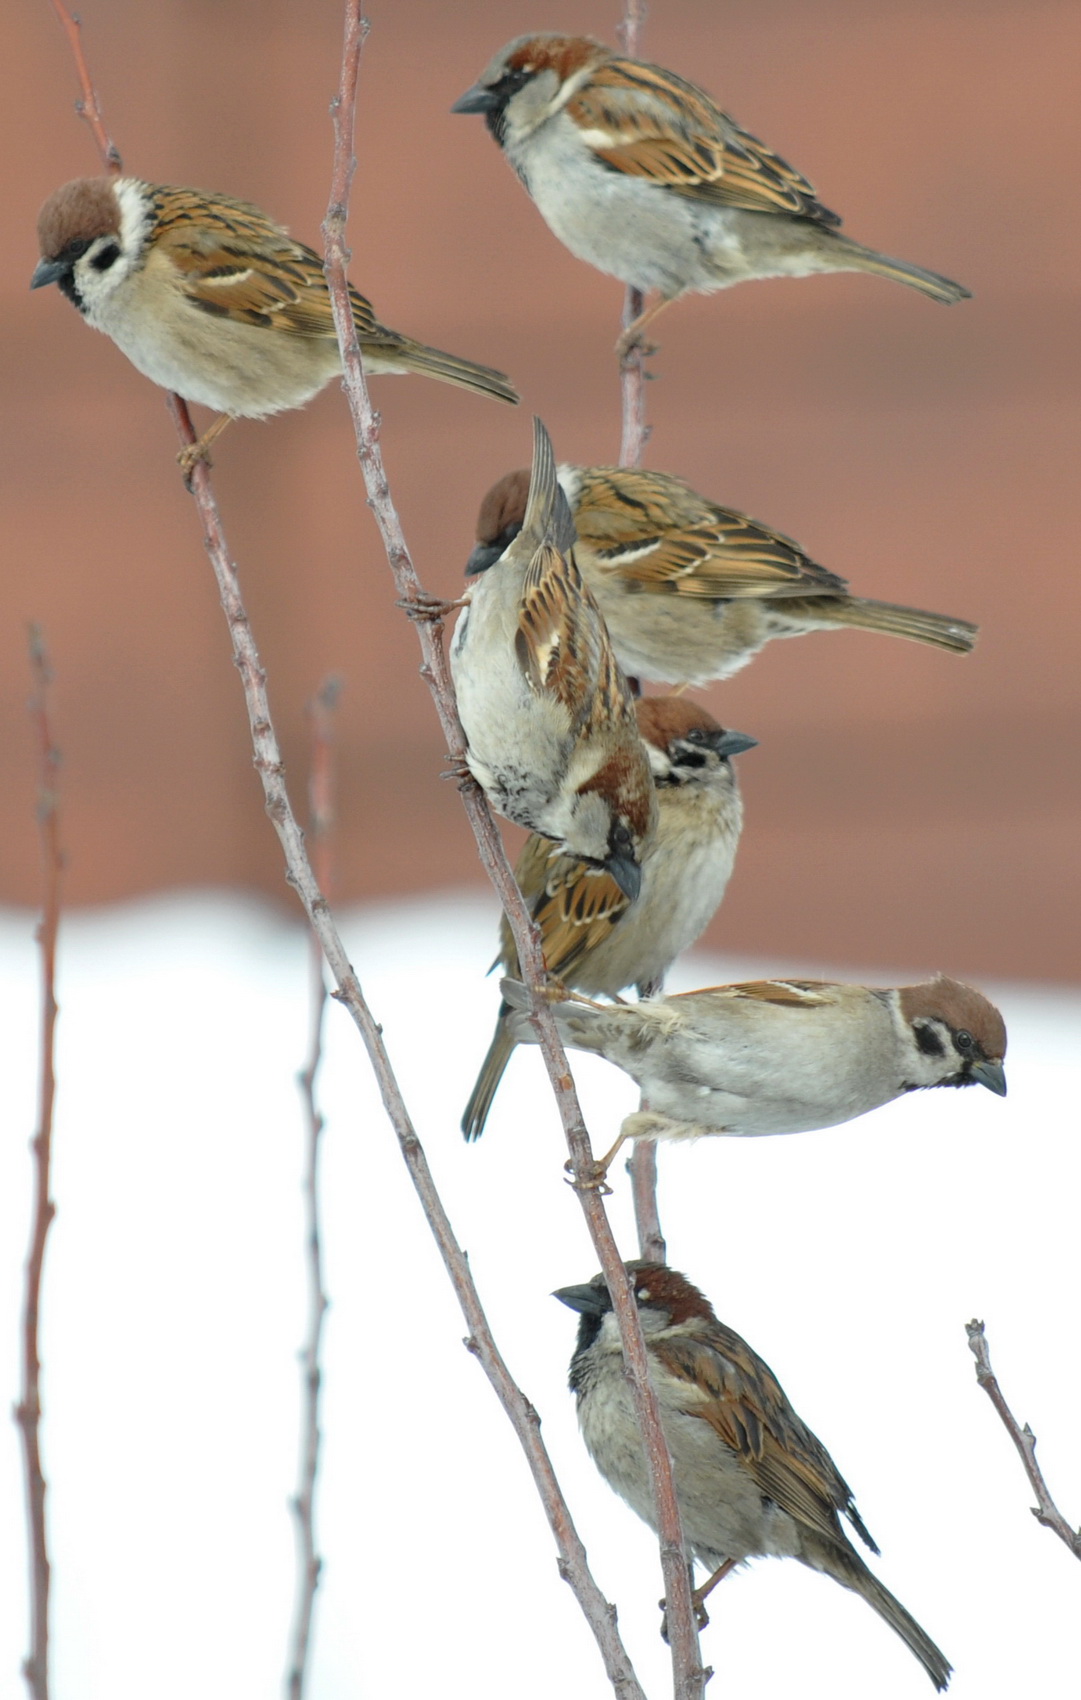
x=851, y=1259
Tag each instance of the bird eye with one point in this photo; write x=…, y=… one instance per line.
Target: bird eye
x=105, y=257
x=696, y=735
x=964, y=1041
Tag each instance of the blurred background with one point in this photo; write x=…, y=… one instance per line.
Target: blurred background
x=905, y=806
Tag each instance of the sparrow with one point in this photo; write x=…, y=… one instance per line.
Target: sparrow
x=548, y=716
x=211, y=298
x=594, y=938
x=641, y=175
x=690, y=591
x=751, y=1479
x=780, y=1056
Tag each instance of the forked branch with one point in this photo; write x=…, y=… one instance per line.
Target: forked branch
x=689, y=1677
x=1045, y=1510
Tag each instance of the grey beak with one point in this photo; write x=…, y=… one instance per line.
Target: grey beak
x=585, y=1299
x=485, y=555
x=476, y=99
x=48, y=271
x=627, y=875
x=732, y=743
x=992, y=1075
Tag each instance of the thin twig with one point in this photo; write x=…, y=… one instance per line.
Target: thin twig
x=689, y=1677
x=642, y=1169
x=89, y=107
x=642, y=1166
x=268, y=764
x=321, y=816
x=1045, y=1510
x=632, y=367
x=28, y=1410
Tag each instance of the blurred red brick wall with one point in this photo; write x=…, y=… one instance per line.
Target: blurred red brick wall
x=904, y=806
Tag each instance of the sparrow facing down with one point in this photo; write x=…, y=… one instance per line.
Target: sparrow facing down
x=751, y=1479
x=780, y=1056
x=547, y=714
x=594, y=938
x=209, y=297
x=640, y=174
x=690, y=591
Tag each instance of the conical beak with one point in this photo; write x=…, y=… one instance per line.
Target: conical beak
x=476, y=99
x=48, y=271
x=992, y=1075
x=627, y=875
x=585, y=1299
x=733, y=743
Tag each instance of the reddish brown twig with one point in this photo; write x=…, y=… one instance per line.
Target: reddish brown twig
x=642, y=1169
x=689, y=1677
x=28, y=1410
x=1045, y=1510
x=321, y=815
x=89, y=107
x=632, y=367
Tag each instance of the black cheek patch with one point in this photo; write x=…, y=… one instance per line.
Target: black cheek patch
x=928, y=1041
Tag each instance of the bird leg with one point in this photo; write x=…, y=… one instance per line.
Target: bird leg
x=598, y=1180
x=699, y=1595
x=423, y=607
x=199, y=450
x=632, y=336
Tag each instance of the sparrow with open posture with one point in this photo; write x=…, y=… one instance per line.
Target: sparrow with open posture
x=640, y=174
x=548, y=716
x=751, y=1479
x=210, y=298
x=780, y=1056
x=594, y=938
x=690, y=591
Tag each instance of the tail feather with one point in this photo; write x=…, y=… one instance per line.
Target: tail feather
x=492, y=1069
x=547, y=516
x=576, y=1018
x=863, y=259
x=846, y=1567
x=915, y=623
x=413, y=356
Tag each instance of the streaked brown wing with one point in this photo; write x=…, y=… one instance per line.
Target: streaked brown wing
x=239, y=264
x=646, y=121
x=736, y=1393
x=560, y=638
x=796, y=994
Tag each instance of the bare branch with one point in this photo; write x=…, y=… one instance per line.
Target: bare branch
x=268, y=763
x=689, y=1677
x=1045, y=1510
x=632, y=367
x=642, y=1168
x=28, y=1410
x=321, y=815
x=89, y=107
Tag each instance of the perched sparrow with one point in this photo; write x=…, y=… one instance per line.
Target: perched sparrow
x=594, y=938
x=781, y=1056
x=751, y=1479
x=690, y=591
x=212, y=299
x=639, y=173
x=547, y=714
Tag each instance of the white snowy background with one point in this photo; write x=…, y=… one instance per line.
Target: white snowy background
x=175, y=1303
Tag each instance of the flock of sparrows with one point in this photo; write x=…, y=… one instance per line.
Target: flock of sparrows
x=588, y=580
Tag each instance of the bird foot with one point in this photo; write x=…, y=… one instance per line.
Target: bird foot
x=431, y=609
x=596, y=1180
x=460, y=771
x=632, y=344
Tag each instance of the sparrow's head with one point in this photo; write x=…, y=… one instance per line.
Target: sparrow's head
x=686, y=746
x=529, y=80
x=959, y=1037
x=500, y=520
x=665, y=1299
x=92, y=234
